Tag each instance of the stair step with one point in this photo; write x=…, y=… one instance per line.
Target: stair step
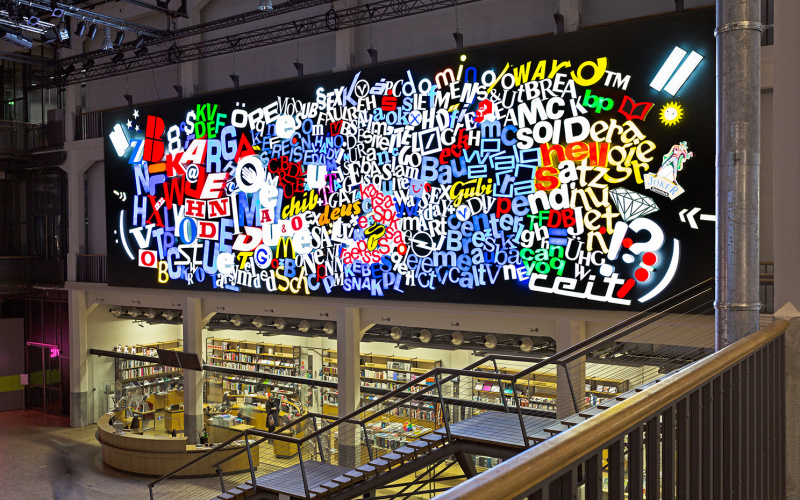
x=573, y=420
x=331, y=486
x=540, y=436
x=247, y=489
x=392, y=458
x=421, y=446
x=355, y=475
x=367, y=470
x=591, y=412
x=237, y=493
x=405, y=451
x=605, y=405
x=434, y=439
x=555, y=429
x=379, y=464
x=343, y=480
x=226, y=496
x=318, y=492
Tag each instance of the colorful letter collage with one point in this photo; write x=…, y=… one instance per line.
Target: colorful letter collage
x=517, y=174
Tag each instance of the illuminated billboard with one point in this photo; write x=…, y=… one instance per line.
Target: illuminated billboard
x=560, y=171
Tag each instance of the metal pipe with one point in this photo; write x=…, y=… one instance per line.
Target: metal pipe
x=738, y=157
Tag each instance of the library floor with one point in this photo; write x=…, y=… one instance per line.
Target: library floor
x=41, y=457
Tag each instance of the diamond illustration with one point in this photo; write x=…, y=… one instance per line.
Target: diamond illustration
x=632, y=205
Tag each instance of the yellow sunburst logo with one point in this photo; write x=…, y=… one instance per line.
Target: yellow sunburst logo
x=671, y=113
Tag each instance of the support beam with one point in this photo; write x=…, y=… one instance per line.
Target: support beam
x=348, y=342
x=193, y=380
x=738, y=158
x=78, y=356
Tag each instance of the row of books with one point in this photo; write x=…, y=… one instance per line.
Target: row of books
x=424, y=413
x=485, y=462
x=142, y=371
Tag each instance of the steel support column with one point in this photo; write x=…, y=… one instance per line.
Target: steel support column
x=738, y=35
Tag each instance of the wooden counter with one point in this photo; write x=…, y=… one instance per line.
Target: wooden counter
x=159, y=455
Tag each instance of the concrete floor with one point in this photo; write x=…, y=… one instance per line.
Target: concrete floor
x=41, y=457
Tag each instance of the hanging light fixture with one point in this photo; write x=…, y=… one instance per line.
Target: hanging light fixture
x=279, y=323
x=259, y=322
x=304, y=326
x=490, y=341
x=117, y=311
x=396, y=333
x=134, y=311
x=150, y=313
x=92, y=32
x=80, y=30
x=329, y=328
x=456, y=338
x=525, y=344
x=425, y=336
x=237, y=320
x=107, y=45
x=120, y=37
x=265, y=5
x=171, y=314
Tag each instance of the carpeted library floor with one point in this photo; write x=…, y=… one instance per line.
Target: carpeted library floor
x=42, y=458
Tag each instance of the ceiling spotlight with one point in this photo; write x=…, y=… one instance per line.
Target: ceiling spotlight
x=456, y=338
x=171, y=314
x=150, y=313
x=304, y=326
x=50, y=35
x=490, y=341
x=107, y=45
x=525, y=344
x=259, y=322
x=69, y=69
x=329, y=328
x=237, y=320
x=265, y=5
x=81, y=29
x=140, y=51
x=116, y=311
x=279, y=323
x=87, y=65
x=92, y=32
x=133, y=311
x=120, y=37
x=396, y=333
x=425, y=336
x=118, y=57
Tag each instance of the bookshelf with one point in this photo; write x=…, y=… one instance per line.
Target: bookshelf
x=599, y=389
x=384, y=372
x=260, y=357
x=148, y=378
x=536, y=390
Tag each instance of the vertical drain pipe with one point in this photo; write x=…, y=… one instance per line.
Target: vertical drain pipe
x=738, y=36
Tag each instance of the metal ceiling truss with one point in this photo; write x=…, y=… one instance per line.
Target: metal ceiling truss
x=377, y=11
x=95, y=17
x=27, y=59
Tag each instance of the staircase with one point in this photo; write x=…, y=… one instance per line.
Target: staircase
x=344, y=458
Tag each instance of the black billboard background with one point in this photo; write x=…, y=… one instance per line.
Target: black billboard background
x=636, y=48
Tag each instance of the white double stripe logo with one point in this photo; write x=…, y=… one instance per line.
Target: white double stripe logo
x=680, y=76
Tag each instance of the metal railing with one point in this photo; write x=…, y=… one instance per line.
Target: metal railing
x=713, y=430
x=92, y=269
x=26, y=138
x=446, y=397
x=88, y=125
